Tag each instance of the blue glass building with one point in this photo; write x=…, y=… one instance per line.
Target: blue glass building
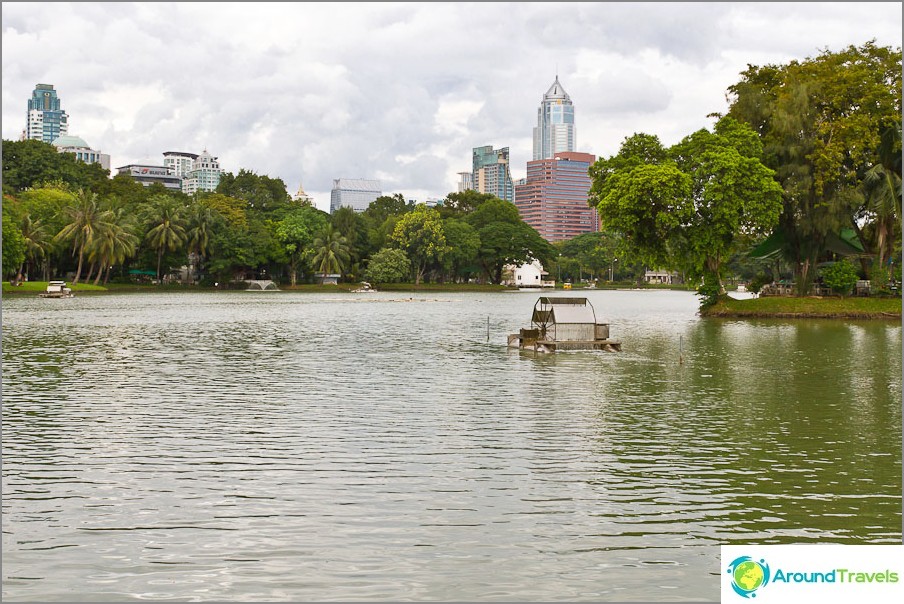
x=46, y=119
x=554, y=132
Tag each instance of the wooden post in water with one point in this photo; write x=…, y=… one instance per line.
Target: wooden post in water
x=488, y=329
x=681, y=350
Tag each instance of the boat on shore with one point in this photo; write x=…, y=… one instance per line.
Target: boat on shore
x=56, y=289
x=366, y=288
x=564, y=323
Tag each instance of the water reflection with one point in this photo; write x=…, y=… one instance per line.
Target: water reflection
x=307, y=447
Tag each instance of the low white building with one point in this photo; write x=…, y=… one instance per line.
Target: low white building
x=528, y=275
x=660, y=277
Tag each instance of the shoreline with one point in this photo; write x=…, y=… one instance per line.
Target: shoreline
x=780, y=307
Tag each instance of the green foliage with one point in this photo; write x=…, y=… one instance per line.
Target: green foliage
x=31, y=163
x=13, y=247
x=757, y=283
x=296, y=233
x=389, y=265
x=841, y=276
x=683, y=208
x=262, y=193
x=710, y=291
x=330, y=251
x=821, y=121
x=420, y=233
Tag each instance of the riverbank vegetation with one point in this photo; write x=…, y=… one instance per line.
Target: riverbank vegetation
x=806, y=307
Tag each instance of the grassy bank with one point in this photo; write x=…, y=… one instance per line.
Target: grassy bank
x=781, y=307
x=33, y=288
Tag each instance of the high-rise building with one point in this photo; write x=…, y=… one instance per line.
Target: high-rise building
x=553, y=198
x=81, y=150
x=180, y=161
x=46, y=120
x=554, y=132
x=204, y=175
x=491, y=173
x=355, y=193
x=465, y=181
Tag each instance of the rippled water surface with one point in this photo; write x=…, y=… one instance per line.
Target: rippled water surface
x=282, y=446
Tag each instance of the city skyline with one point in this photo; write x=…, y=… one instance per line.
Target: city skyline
x=399, y=93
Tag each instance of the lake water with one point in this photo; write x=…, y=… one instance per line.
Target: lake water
x=279, y=446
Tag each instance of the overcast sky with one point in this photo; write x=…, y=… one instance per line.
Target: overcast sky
x=400, y=92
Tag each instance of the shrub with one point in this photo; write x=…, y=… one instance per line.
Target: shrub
x=840, y=276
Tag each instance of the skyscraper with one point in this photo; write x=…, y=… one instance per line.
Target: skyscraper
x=491, y=173
x=554, y=132
x=355, y=193
x=46, y=120
x=553, y=198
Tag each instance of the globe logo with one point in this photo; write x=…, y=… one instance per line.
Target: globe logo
x=748, y=575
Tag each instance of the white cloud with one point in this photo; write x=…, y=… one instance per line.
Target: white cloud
x=398, y=91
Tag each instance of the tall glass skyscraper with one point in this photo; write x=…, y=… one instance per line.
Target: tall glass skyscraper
x=46, y=120
x=555, y=123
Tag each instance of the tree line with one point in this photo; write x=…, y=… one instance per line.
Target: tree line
x=62, y=216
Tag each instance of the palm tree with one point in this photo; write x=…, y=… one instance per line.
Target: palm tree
x=882, y=188
x=200, y=228
x=331, y=251
x=84, y=219
x=114, y=244
x=37, y=242
x=167, y=231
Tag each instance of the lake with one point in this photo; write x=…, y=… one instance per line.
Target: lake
x=279, y=446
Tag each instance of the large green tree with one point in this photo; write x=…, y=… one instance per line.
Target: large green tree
x=389, y=265
x=420, y=234
x=296, y=233
x=505, y=239
x=684, y=208
x=821, y=121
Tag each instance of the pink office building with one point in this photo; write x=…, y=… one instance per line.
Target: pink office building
x=553, y=198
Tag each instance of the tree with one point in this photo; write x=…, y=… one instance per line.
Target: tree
x=115, y=242
x=84, y=222
x=330, y=251
x=296, y=233
x=262, y=193
x=389, y=265
x=31, y=163
x=420, y=234
x=37, y=242
x=13, y=248
x=841, y=276
x=464, y=245
x=733, y=193
x=200, y=223
x=463, y=202
x=506, y=239
x=167, y=228
x=684, y=208
x=821, y=122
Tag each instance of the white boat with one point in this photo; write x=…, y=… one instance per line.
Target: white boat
x=56, y=289
x=366, y=288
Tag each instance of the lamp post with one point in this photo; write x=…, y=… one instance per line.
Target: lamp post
x=611, y=266
x=559, y=267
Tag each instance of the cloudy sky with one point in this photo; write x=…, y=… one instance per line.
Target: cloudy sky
x=400, y=92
